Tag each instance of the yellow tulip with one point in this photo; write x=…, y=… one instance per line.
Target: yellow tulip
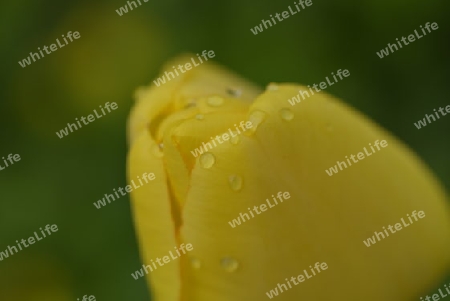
x=288, y=148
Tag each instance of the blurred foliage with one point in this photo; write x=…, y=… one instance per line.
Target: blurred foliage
x=57, y=180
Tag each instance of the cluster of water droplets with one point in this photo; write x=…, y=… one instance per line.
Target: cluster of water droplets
x=228, y=264
x=207, y=160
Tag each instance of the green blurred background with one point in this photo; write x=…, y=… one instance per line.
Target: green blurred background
x=95, y=251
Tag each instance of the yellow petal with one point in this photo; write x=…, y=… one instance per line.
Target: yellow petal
x=325, y=219
x=155, y=206
x=153, y=216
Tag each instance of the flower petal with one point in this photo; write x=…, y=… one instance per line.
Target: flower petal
x=156, y=205
x=288, y=149
x=325, y=220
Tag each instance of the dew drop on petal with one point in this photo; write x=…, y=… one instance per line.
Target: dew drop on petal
x=256, y=118
x=229, y=264
x=234, y=92
x=235, y=182
x=215, y=101
x=207, y=160
x=196, y=263
x=157, y=150
x=286, y=114
x=191, y=103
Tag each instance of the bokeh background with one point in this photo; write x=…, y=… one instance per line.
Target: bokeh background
x=95, y=251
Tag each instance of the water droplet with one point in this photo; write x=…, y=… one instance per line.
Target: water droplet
x=196, y=263
x=235, y=139
x=272, y=87
x=215, y=101
x=256, y=118
x=234, y=92
x=199, y=117
x=191, y=103
x=286, y=114
x=157, y=150
x=207, y=160
x=229, y=264
x=235, y=182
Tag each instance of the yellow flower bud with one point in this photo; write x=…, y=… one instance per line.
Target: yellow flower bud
x=268, y=150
